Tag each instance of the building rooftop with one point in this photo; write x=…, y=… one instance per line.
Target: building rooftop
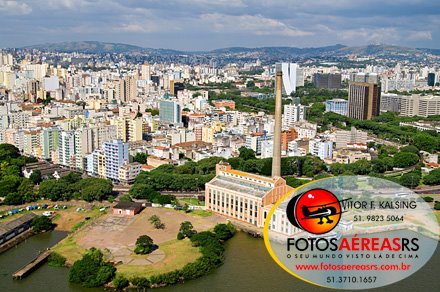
x=250, y=175
x=128, y=205
x=240, y=186
x=5, y=228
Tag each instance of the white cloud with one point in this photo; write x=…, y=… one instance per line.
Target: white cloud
x=136, y=27
x=364, y=35
x=14, y=8
x=254, y=24
x=419, y=35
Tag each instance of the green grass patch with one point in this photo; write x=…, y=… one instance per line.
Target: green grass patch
x=201, y=213
x=178, y=253
x=69, y=249
x=191, y=201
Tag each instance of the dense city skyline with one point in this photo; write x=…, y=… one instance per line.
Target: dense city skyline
x=201, y=25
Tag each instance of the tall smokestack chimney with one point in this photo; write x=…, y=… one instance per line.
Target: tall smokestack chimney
x=276, y=160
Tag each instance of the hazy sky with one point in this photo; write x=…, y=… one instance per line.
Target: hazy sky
x=209, y=24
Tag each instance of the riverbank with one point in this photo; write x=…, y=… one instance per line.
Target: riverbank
x=115, y=236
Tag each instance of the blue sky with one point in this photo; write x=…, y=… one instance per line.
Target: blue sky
x=210, y=24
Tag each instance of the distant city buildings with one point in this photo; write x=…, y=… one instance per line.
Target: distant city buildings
x=431, y=79
x=321, y=148
x=224, y=103
x=411, y=105
x=327, y=80
x=293, y=113
x=70, y=109
x=337, y=105
x=346, y=138
x=418, y=105
x=390, y=102
x=293, y=76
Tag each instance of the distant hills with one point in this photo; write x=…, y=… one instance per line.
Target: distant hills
x=90, y=47
x=94, y=47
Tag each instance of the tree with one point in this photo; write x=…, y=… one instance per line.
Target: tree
x=91, y=270
x=410, y=180
x=337, y=168
x=144, y=245
x=53, y=189
x=120, y=282
x=143, y=191
x=250, y=84
x=26, y=189
x=141, y=282
x=94, y=189
x=125, y=198
x=156, y=222
x=56, y=260
x=8, y=151
x=12, y=170
x=433, y=178
x=186, y=230
x=425, y=142
x=437, y=206
x=35, y=177
x=14, y=199
x=140, y=157
x=42, y=223
x=428, y=199
x=9, y=184
x=246, y=153
x=360, y=167
x=405, y=159
x=410, y=148
x=72, y=177
x=224, y=231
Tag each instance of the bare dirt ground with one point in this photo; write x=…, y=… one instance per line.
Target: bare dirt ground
x=117, y=234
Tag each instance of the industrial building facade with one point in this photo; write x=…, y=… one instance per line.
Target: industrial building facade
x=242, y=195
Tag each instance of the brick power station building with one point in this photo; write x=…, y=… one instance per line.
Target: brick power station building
x=241, y=195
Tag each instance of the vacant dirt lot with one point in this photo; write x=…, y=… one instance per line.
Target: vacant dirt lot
x=117, y=234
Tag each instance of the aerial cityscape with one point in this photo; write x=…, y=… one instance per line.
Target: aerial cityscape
x=150, y=154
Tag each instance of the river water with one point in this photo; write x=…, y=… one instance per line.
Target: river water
x=248, y=267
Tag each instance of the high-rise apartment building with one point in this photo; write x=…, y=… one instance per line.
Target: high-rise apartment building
x=83, y=146
x=293, y=113
x=364, y=98
x=327, y=80
x=146, y=71
x=292, y=76
x=115, y=154
x=321, y=148
x=128, y=129
x=431, y=79
x=353, y=136
x=170, y=112
x=390, y=102
x=126, y=89
x=66, y=151
x=418, y=105
x=49, y=142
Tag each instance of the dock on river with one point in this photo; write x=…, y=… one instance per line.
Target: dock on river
x=25, y=270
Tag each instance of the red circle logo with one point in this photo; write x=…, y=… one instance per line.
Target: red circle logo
x=316, y=211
